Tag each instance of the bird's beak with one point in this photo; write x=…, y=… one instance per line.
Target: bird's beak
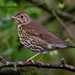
x=13, y=17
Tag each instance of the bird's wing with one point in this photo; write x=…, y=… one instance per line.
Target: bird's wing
x=38, y=30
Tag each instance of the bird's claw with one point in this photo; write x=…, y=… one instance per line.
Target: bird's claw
x=39, y=62
x=30, y=60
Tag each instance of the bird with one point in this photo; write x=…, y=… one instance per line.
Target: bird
x=36, y=37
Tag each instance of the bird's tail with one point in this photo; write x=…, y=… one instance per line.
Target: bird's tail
x=71, y=46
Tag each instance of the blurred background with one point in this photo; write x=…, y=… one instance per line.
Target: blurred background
x=58, y=16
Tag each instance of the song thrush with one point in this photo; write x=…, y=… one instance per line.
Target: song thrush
x=35, y=37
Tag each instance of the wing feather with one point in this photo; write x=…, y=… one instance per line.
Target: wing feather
x=39, y=31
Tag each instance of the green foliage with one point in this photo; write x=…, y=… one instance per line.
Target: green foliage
x=30, y=73
x=1, y=2
x=33, y=12
x=61, y=5
x=10, y=52
x=5, y=25
x=11, y=3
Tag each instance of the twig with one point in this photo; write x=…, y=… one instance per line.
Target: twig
x=64, y=26
x=19, y=71
x=62, y=65
x=59, y=12
x=42, y=6
x=60, y=21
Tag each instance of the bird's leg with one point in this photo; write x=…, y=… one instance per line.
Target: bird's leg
x=30, y=59
x=41, y=59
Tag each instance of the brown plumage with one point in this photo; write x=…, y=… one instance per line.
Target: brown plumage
x=35, y=37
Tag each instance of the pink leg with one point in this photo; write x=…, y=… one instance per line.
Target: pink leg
x=30, y=59
x=41, y=58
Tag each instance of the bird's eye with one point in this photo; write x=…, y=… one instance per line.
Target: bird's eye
x=22, y=16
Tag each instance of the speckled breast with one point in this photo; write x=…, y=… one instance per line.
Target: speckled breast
x=32, y=43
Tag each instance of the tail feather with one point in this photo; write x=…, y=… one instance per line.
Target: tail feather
x=71, y=46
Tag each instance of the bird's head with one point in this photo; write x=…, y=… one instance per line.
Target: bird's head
x=22, y=18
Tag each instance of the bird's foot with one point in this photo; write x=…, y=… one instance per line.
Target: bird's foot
x=30, y=60
x=39, y=62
